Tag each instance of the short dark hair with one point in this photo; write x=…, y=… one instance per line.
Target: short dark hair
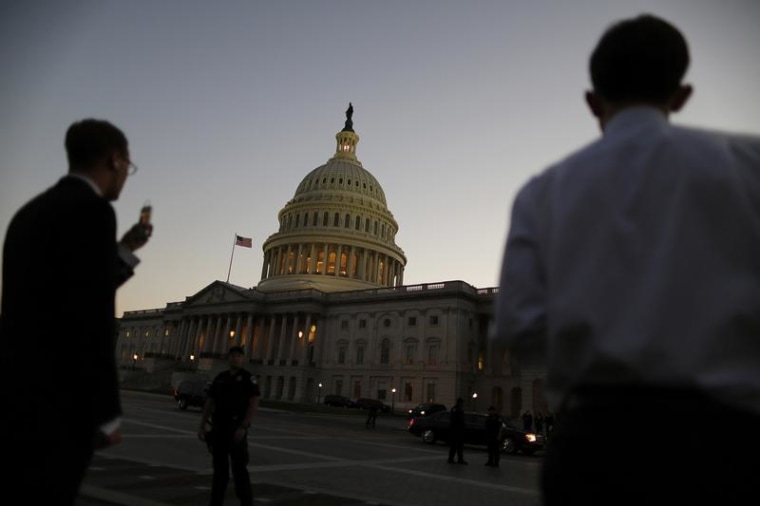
x=639, y=59
x=90, y=140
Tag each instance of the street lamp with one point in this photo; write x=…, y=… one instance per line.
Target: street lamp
x=319, y=393
x=134, y=361
x=393, y=400
x=474, y=400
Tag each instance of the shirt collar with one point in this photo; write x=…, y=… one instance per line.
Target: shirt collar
x=88, y=181
x=634, y=118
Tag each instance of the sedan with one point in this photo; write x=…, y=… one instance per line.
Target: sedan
x=435, y=427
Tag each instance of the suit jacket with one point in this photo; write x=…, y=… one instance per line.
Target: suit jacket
x=61, y=269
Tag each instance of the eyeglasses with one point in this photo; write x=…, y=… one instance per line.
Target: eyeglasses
x=131, y=169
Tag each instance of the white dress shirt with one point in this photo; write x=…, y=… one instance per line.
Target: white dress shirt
x=636, y=260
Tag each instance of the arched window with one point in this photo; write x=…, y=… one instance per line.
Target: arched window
x=336, y=220
x=314, y=219
x=324, y=219
x=347, y=223
x=358, y=223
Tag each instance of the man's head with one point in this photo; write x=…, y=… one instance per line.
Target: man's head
x=638, y=61
x=236, y=355
x=99, y=150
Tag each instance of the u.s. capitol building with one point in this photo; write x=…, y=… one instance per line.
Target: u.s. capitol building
x=331, y=313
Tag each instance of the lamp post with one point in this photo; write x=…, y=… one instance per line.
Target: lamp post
x=474, y=401
x=134, y=361
x=393, y=401
x=319, y=393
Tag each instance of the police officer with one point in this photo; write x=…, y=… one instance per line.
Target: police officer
x=232, y=401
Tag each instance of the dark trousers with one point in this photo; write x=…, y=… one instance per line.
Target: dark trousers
x=456, y=447
x=227, y=453
x=494, y=451
x=654, y=447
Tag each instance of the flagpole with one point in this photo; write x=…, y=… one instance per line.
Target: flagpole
x=234, y=241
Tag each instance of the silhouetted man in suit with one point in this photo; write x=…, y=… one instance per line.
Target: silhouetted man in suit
x=61, y=267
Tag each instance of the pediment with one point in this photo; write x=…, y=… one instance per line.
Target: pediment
x=217, y=293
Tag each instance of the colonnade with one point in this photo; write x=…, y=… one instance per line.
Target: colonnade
x=278, y=339
x=332, y=259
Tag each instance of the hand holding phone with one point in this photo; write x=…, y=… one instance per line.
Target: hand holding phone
x=138, y=235
x=145, y=213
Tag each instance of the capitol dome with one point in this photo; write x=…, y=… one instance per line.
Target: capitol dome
x=336, y=233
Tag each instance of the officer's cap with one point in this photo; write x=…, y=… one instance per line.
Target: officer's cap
x=236, y=349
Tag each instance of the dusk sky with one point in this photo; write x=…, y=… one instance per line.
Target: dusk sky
x=228, y=105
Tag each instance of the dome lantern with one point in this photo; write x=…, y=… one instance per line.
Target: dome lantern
x=347, y=138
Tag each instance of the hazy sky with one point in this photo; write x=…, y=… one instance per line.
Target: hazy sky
x=228, y=105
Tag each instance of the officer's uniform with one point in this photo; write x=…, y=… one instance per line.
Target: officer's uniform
x=231, y=394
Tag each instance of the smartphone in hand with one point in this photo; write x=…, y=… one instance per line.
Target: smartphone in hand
x=145, y=213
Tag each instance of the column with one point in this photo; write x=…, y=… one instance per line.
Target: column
x=239, y=341
x=215, y=347
x=208, y=343
x=313, y=266
x=270, y=339
x=281, y=344
x=304, y=362
x=249, y=335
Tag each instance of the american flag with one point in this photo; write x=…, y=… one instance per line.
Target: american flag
x=245, y=242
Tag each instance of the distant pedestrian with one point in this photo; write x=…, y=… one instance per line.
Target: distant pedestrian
x=232, y=401
x=493, y=431
x=539, y=422
x=549, y=422
x=527, y=419
x=371, y=416
x=456, y=433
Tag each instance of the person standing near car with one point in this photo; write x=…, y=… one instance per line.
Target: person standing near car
x=633, y=264
x=233, y=398
x=371, y=415
x=493, y=431
x=456, y=433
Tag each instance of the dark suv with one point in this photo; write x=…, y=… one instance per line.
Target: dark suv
x=425, y=409
x=435, y=427
x=191, y=393
x=338, y=401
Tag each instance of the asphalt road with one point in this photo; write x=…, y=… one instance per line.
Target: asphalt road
x=298, y=458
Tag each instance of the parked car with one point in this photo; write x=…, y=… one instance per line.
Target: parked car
x=365, y=403
x=435, y=427
x=191, y=393
x=425, y=409
x=339, y=401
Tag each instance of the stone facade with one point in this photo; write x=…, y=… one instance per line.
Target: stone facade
x=331, y=314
